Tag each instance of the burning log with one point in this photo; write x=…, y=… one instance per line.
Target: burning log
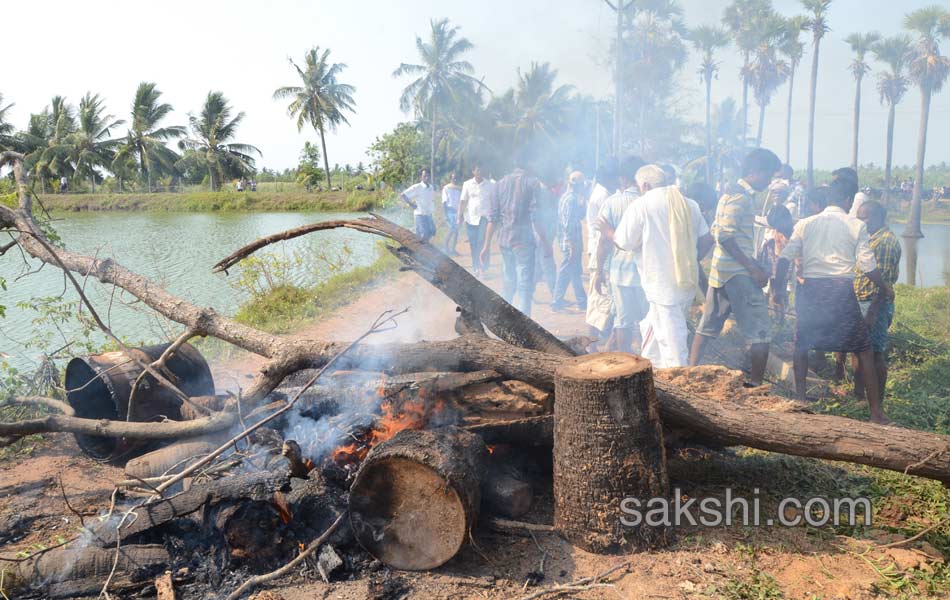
x=507, y=495
x=608, y=445
x=247, y=487
x=78, y=572
x=416, y=497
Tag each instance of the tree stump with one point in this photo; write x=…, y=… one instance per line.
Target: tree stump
x=416, y=497
x=608, y=446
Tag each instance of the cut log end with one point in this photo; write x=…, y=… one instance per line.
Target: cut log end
x=606, y=365
x=416, y=497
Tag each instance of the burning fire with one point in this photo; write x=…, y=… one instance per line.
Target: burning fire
x=395, y=416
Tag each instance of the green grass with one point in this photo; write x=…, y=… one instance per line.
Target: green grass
x=287, y=307
x=353, y=201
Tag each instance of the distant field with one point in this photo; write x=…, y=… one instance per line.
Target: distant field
x=260, y=200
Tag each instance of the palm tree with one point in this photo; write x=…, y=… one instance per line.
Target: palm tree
x=892, y=85
x=860, y=45
x=444, y=79
x=145, y=140
x=818, y=25
x=321, y=100
x=210, y=145
x=767, y=72
x=742, y=18
x=793, y=49
x=543, y=108
x=929, y=70
x=44, y=141
x=6, y=128
x=706, y=39
x=91, y=145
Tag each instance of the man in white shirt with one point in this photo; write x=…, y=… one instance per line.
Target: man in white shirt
x=451, y=194
x=474, y=207
x=668, y=234
x=420, y=198
x=600, y=309
x=832, y=246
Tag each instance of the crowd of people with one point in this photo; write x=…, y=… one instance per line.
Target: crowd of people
x=646, y=239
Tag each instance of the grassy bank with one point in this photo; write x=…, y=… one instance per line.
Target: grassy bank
x=287, y=308
x=353, y=201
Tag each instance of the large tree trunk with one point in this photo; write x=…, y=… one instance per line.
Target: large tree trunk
x=857, y=124
x=432, y=179
x=812, y=96
x=708, y=170
x=326, y=159
x=74, y=572
x=889, y=154
x=745, y=98
x=758, y=136
x=912, y=229
x=416, y=497
x=608, y=446
x=788, y=116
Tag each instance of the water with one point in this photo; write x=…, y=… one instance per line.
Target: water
x=176, y=250
x=932, y=256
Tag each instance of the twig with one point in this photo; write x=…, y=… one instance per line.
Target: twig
x=506, y=525
x=159, y=364
x=924, y=460
x=916, y=536
x=62, y=489
x=385, y=318
x=253, y=582
x=580, y=585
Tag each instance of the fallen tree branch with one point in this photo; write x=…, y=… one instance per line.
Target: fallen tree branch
x=164, y=430
x=577, y=586
x=253, y=582
x=472, y=296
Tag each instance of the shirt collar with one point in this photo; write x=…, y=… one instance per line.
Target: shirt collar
x=833, y=208
x=632, y=190
x=747, y=187
x=881, y=232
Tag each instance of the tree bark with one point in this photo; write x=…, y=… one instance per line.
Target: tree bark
x=745, y=98
x=416, y=497
x=812, y=95
x=912, y=229
x=608, y=446
x=889, y=154
x=326, y=159
x=788, y=116
x=758, y=135
x=74, y=572
x=708, y=171
x=857, y=124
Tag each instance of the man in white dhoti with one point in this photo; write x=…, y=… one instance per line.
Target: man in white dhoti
x=669, y=235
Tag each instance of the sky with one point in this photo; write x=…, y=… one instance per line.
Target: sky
x=242, y=48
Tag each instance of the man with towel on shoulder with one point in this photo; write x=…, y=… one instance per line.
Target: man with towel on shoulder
x=668, y=234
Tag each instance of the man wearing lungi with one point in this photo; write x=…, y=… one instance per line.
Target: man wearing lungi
x=832, y=246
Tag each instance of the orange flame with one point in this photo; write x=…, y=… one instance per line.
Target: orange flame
x=409, y=415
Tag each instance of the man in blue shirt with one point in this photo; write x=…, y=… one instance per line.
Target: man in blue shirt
x=570, y=213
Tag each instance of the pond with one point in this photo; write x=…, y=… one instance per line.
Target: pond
x=175, y=249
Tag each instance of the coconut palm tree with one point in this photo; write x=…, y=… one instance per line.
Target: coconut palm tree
x=792, y=48
x=91, y=145
x=742, y=18
x=444, y=78
x=767, y=71
x=860, y=44
x=542, y=107
x=891, y=85
x=818, y=25
x=145, y=141
x=706, y=39
x=320, y=100
x=210, y=144
x=6, y=128
x=44, y=141
x=928, y=69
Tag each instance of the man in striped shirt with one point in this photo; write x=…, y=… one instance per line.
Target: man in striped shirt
x=877, y=307
x=735, y=278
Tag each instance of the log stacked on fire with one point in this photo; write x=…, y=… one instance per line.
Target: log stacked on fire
x=297, y=512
